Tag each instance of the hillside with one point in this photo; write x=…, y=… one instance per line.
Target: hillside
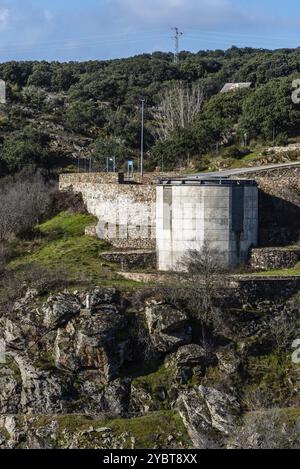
x=58, y=111
x=90, y=357
x=143, y=366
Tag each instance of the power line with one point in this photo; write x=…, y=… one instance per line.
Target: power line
x=176, y=38
x=193, y=35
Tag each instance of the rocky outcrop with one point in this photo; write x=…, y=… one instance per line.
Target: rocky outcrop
x=190, y=360
x=168, y=326
x=62, y=357
x=10, y=390
x=209, y=415
x=93, y=342
x=60, y=309
x=106, y=356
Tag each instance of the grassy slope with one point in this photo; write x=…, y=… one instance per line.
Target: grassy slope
x=275, y=376
x=147, y=431
x=60, y=243
x=280, y=272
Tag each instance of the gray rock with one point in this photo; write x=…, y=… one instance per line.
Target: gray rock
x=169, y=327
x=188, y=360
x=209, y=415
x=229, y=360
x=97, y=343
x=10, y=391
x=42, y=392
x=140, y=400
x=116, y=397
x=60, y=309
x=15, y=432
x=100, y=297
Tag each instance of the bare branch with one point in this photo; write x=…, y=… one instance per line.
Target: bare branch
x=179, y=106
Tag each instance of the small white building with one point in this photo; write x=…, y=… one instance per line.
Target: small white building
x=2, y=92
x=235, y=86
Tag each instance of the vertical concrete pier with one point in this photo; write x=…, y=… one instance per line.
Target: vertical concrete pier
x=219, y=213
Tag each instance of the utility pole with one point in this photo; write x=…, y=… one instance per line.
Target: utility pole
x=274, y=135
x=142, y=138
x=178, y=34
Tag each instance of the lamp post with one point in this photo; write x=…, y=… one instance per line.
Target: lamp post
x=142, y=138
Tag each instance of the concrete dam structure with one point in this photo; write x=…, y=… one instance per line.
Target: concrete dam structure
x=171, y=214
x=221, y=214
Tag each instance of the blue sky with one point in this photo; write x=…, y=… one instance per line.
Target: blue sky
x=102, y=29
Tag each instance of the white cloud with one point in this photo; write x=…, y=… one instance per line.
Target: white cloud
x=185, y=12
x=4, y=17
x=49, y=16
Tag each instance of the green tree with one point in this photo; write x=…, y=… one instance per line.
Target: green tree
x=83, y=116
x=104, y=148
x=270, y=108
x=28, y=147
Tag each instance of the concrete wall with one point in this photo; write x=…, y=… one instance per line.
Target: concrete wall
x=188, y=217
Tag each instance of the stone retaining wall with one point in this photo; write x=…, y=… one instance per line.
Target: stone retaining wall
x=131, y=259
x=126, y=209
x=274, y=258
x=279, y=205
x=267, y=288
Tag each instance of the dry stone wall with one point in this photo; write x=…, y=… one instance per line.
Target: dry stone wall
x=279, y=206
x=131, y=259
x=275, y=258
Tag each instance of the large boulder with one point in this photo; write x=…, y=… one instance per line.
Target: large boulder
x=42, y=391
x=116, y=397
x=169, y=327
x=60, y=309
x=21, y=325
x=229, y=360
x=189, y=360
x=95, y=398
x=99, y=297
x=65, y=355
x=210, y=416
x=95, y=342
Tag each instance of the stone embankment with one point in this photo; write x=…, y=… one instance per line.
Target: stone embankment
x=275, y=258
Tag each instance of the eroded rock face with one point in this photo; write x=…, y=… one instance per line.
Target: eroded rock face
x=210, y=415
x=96, y=398
x=168, y=326
x=22, y=326
x=93, y=343
x=189, y=360
x=10, y=391
x=60, y=309
x=62, y=357
x=42, y=391
x=76, y=354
